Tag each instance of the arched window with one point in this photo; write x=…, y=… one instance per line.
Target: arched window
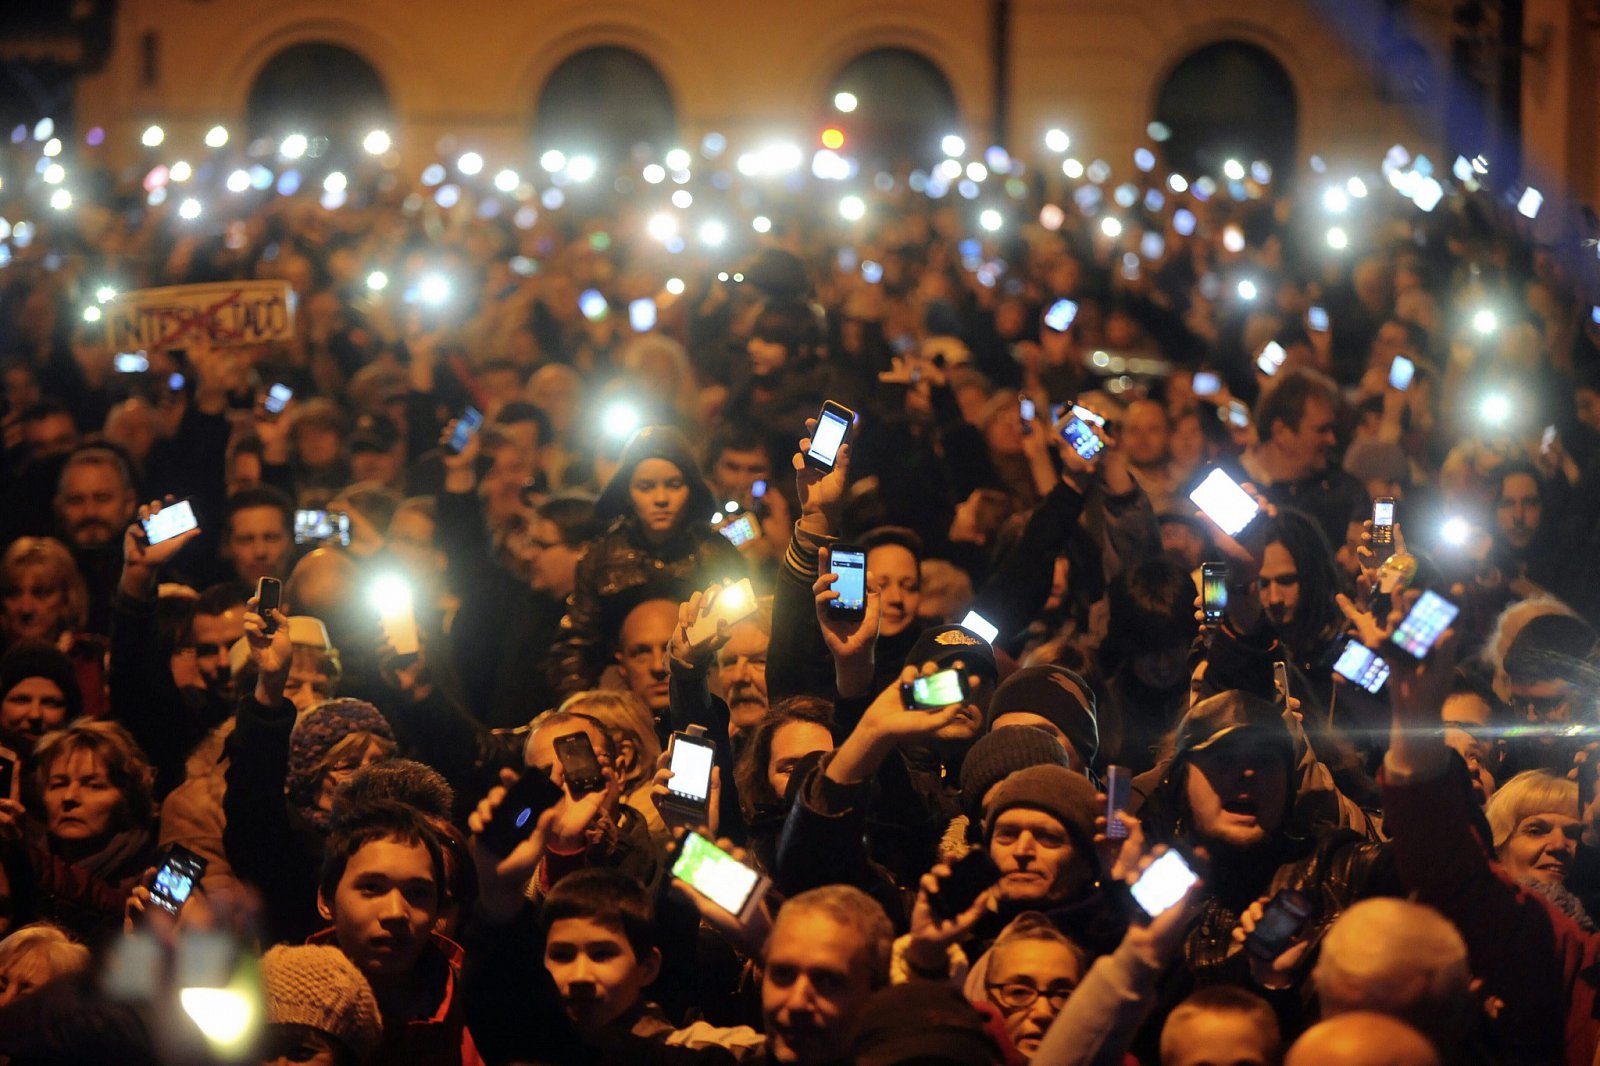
x=904, y=106
x=1229, y=100
x=605, y=102
x=317, y=89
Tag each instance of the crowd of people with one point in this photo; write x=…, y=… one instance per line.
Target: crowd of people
x=271, y=779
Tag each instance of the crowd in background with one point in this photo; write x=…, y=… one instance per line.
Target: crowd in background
x=647, y=401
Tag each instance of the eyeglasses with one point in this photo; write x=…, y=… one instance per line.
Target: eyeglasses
x=1015, y=996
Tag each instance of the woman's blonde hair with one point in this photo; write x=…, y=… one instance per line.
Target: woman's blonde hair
x=62, y=955
x=52, y=558
x=1529, y=793
x=627, y=720
x=125, y=763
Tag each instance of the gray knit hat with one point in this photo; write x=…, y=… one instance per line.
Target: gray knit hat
x=1065, y=795
x=319, y=987
x=1000, y=754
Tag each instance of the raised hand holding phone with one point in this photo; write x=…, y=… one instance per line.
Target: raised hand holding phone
x=141, y=557
x=501, y=878
x=821, y=492
x=951, y=899
x=1273, y=932
x=272, y=652
x=728, y=892
x=850, y=635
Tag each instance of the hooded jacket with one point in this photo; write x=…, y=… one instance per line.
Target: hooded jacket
x=621, y=568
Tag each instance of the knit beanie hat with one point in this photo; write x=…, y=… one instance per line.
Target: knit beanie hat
x=1065, y=795
x=317, y=986
x=923, y=1021
x=1000, y=754
x=316, y=731
x=35, y=658
x=1057, y=695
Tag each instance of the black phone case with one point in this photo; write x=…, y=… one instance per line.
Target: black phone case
x=533, y=791
x=969, y=876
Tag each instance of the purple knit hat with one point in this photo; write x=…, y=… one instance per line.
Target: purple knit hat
x=317, y=731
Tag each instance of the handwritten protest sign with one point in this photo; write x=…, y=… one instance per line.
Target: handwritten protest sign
x=231, y=313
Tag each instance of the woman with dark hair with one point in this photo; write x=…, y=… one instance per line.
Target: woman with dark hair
x=659, y=540
x=792, y=730
x=1145, y=658
x=786, y=378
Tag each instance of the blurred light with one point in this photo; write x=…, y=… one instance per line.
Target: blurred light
x=990, y=219
x=620, y=419
x=189, y=210
x=682, y=199
x=1485, y=321
x=1338, y=239
x=761, y=224
x=1057, y=140
x=1427, y=193
x=1233, y=170
x=997, y=159
x=552, y=199
x=44, y=129
x=507, y=180
x=1098, y=171
x=156, y=178
x=952, y=145
x=661, y=226
x=1335, y=200
x=1247, y=289
x=1495, y=408
x=713, y=145
x=91, y=313
x=61, y=199
x=655, y=173
x=294, y=146
x=674, y=286
x=377, y=281
x=216, y=137
x=1051, y=217
x=1111, y=227
x=376, y=142
x=1144, y=159
x=712, y=233
x=52, y=147
x=678, y=159
x=967, y=188
x=95, y=137
x=225, y=1016
x=833, y=138
x=1158, y=131
x=1528, y=206
x=288, y=183
x=470, y=163
x=553, y=160
x=977, y=171
x=871, y=271
x=153, y=136
x=1260, y=172
x=238, y=181
x=1072, y=168
x=181, y=171
x=433, y=174
x=433, y=289
x=581, y=167
x=1455, y=531
x=525, y=217
x=1233, y=238
x=1126, y=194
x=1178, y=183
x=949, y=169
x=335, y=182
x=448, y=195
x=845, y=102
x=1356, y=188
x=54, y=174
x=260, y=177
x=389, y=595
x=852, y=209
x=105, y=293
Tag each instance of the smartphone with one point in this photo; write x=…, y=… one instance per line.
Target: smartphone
x=1401, y=371
x=518, y=814
x=1317, y=318
x=1383, y=520
x=318, y=527
x=1282, y=920
x=278, y=398
x=719, y=877
x=269, y=597
x=1271, y=358
x=1119, y=790
x=1424, y=625
x=398, y=619
x=981, y=626
x=933, y=691
x=8, y=773
x=1224, y=502
x=1079, y=411
x=642, y=314
x=1207, y=384
x=1082, y=438
x=1029, y=411
x=176, y=877
x=733, y=604
x=1061, y=315
x=1163, y=883
x=833, y=424
x=969, y=877
x=1213, y=592
x=740, y=531
x=1280, y=677
x=850, y=563
x=1362, y=665
x=470, y=422
x=132, y=362
x=689, y=790
x=173, y=519
x=579, y=764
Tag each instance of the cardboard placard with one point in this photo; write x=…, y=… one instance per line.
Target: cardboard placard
x=230, y=313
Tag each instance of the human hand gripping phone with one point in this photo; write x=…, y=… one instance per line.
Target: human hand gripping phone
x=579, y=765
x=733, y=604
x=171, y=521
x=1119, y=790
x=1213, y=593
x=933, y=691
x=719, y=877
x=176, y=877
x=1163, y=883
x=1424, y=624
x=1225, y=503
x=850, y=563
x=833, y=426
x=691, y=760
x=518, y=814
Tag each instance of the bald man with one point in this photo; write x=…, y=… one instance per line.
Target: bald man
x=642, y=653
x=1362, y=1038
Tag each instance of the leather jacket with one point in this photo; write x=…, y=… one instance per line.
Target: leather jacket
x=617, y=573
